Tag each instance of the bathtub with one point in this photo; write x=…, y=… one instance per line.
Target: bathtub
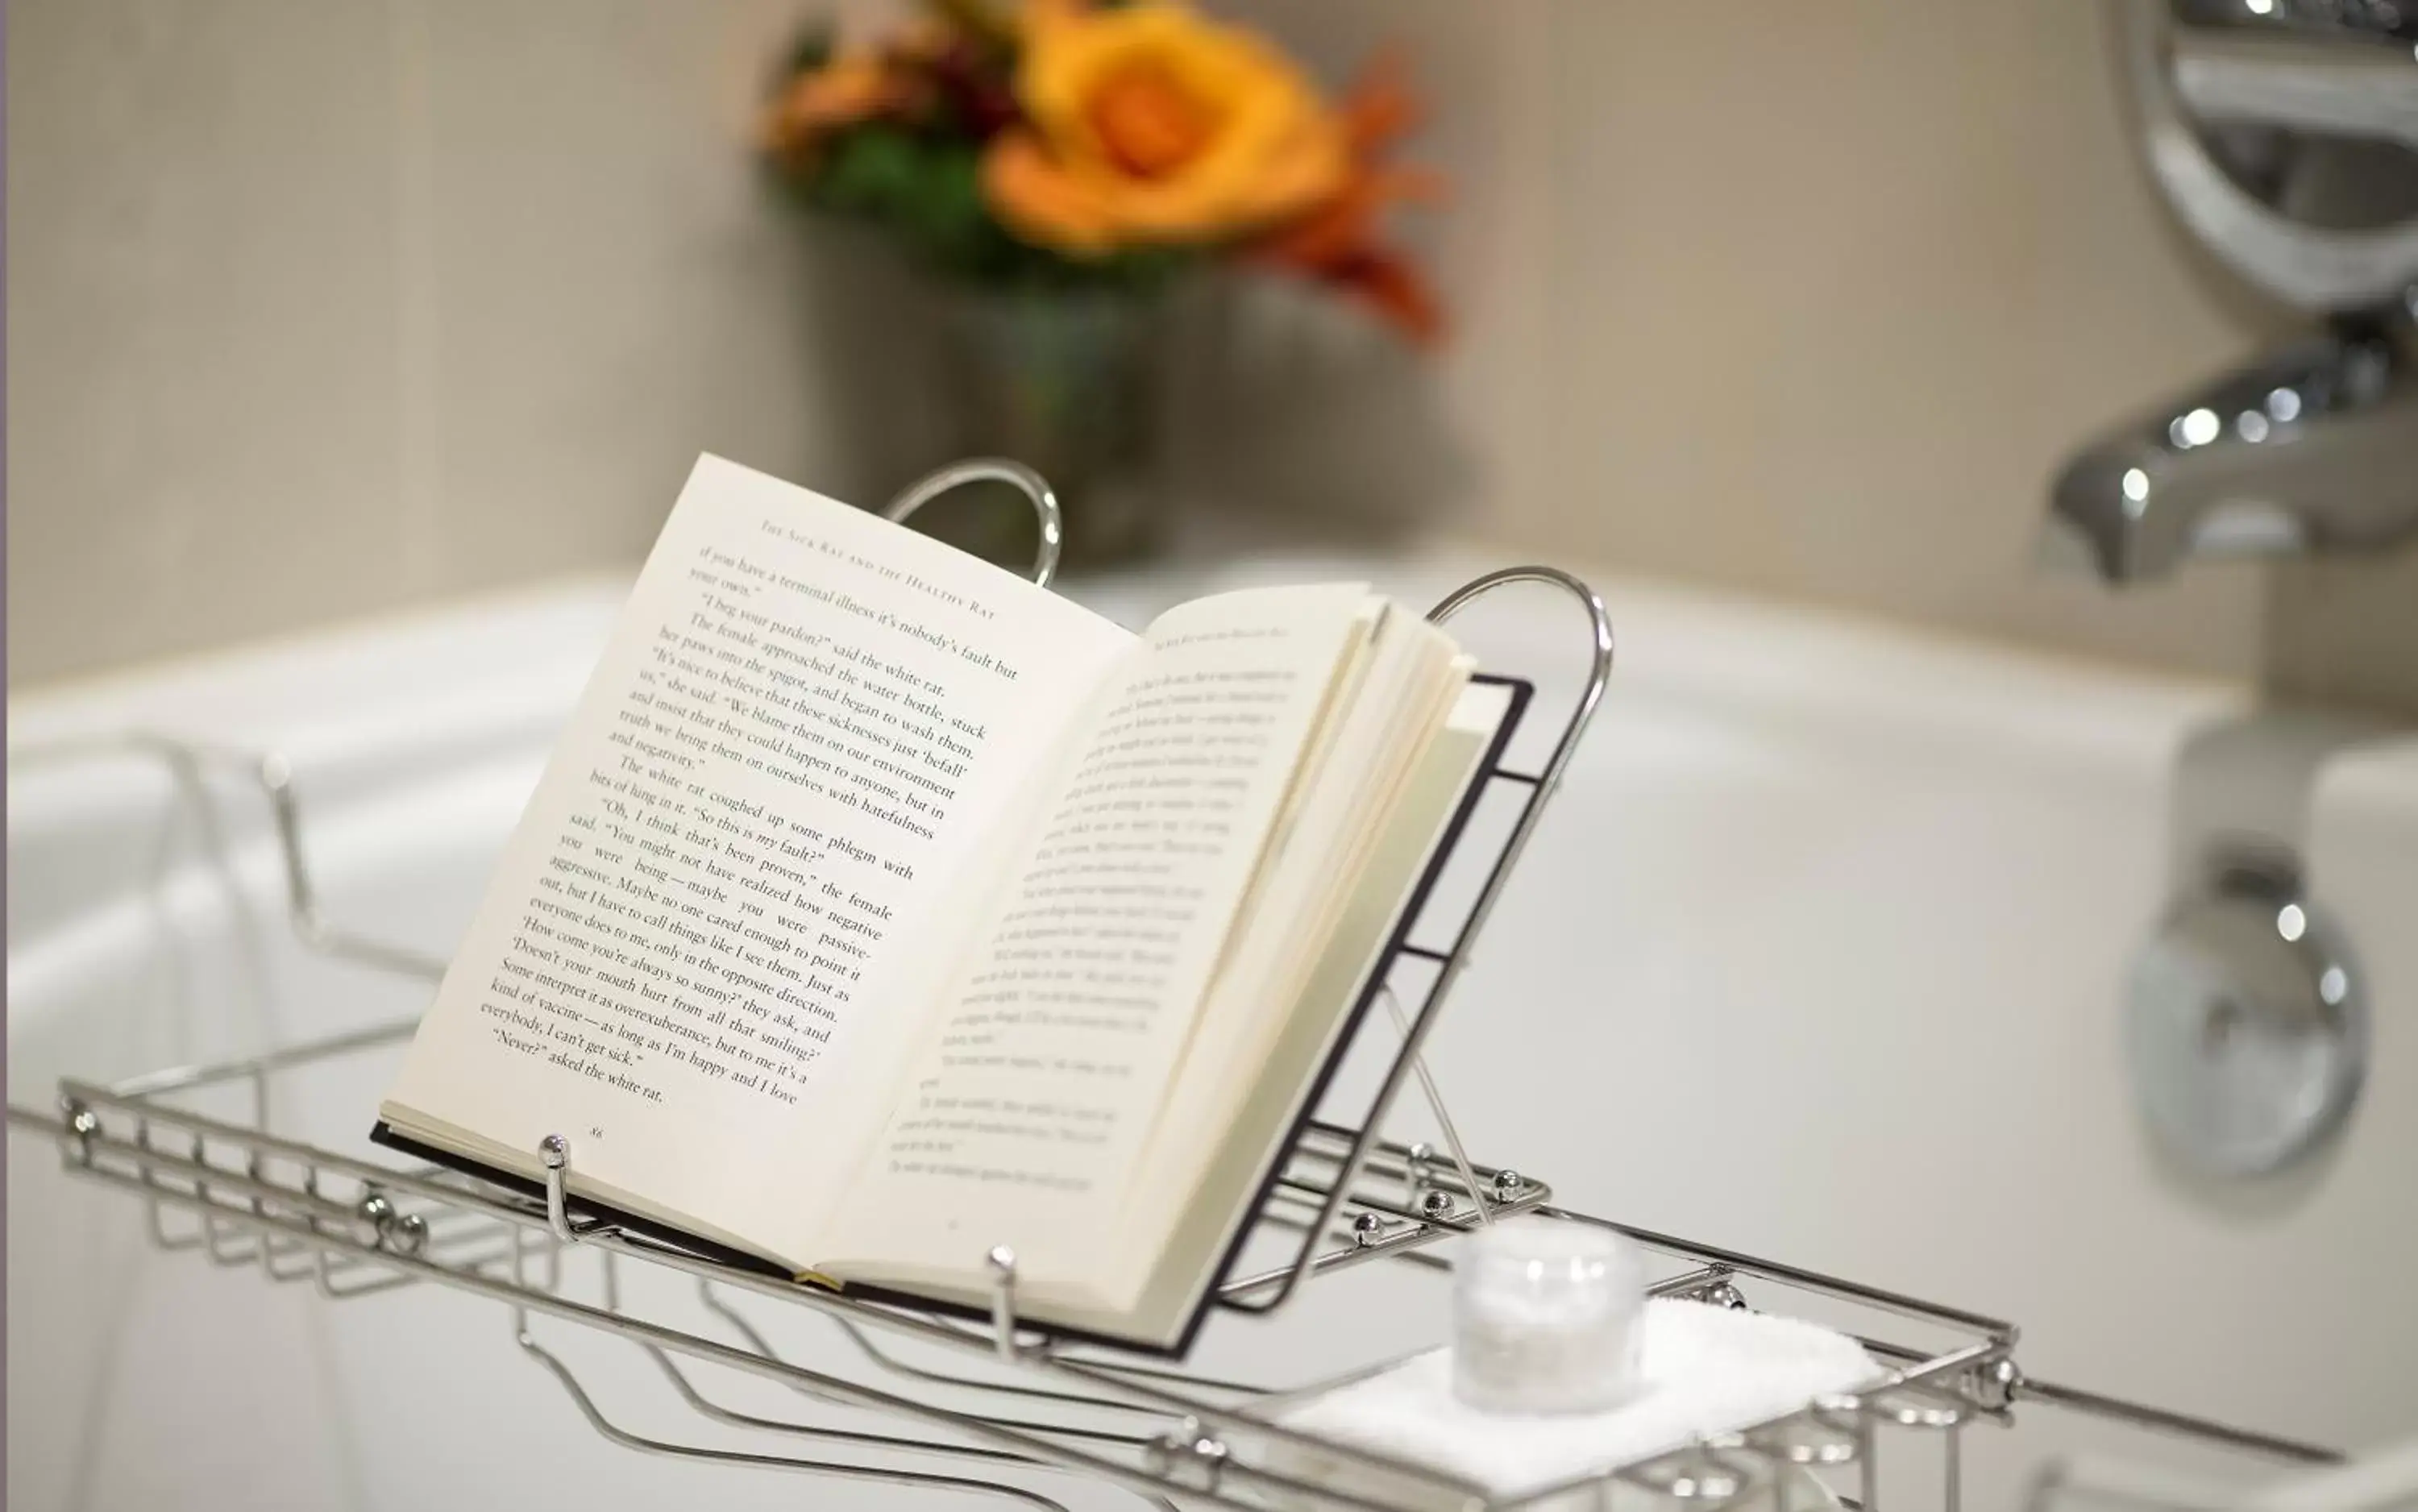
x=1819, y=956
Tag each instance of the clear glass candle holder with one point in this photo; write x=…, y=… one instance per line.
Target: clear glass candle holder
x=1547, y=1318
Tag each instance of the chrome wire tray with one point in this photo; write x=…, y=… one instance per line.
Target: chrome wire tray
x=991, y=1409
x=973, y=1403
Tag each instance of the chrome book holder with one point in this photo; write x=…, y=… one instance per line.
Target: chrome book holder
x=1047, y=1403
x=1377, y=1229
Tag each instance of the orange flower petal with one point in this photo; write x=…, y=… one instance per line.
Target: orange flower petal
x=1036, y=198
x=1380, y=106
x=1399, y=292
x=1148, y=121
x=846, y=90
x=1178, y=129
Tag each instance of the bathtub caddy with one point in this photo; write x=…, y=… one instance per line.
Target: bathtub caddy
x=986, y=1404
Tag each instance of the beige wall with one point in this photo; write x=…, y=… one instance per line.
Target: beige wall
x=1812, y=301
x=322, y=306
x=315, y=308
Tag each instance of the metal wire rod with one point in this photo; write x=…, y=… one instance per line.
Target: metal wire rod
x=2143, y=1415
x=203, y=1074
x=1797, y=1276
x=627, y=1440
x=1417, y=1230
x=274, y=774
x=854, y=1393
x=1035, y=487
x=1112, y=1371
x=720, y=1413
x=709, y=1408
x=944, y=1378
x=1436, y=1106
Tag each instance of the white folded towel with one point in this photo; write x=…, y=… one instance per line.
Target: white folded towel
x=1705, y=1370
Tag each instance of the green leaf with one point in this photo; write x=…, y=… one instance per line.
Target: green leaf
x=926, y=187
x=950, y=217
x=810, y=51
x=869, y=170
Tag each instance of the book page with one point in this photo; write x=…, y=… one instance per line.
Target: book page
x=1202, y=1206
x=1047, y=1063
x=725, y=906
x=1340, y=816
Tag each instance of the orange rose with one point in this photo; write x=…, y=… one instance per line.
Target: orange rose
x=853, y=87
x=1149, y=124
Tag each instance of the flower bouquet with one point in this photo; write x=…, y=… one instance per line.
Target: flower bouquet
x=1058, y=166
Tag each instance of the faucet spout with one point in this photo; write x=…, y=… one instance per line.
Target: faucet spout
x=2312, y=448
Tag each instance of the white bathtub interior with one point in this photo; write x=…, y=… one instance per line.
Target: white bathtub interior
x=1818, y=956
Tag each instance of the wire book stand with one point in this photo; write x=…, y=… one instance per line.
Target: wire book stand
x=1009, y=1402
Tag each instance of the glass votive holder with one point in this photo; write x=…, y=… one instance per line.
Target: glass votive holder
x=1547, y=1318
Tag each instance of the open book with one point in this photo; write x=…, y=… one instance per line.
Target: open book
x=877, y=907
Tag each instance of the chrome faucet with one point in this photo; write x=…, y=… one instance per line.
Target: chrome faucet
x=2284, y=134
x=2313, y=449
